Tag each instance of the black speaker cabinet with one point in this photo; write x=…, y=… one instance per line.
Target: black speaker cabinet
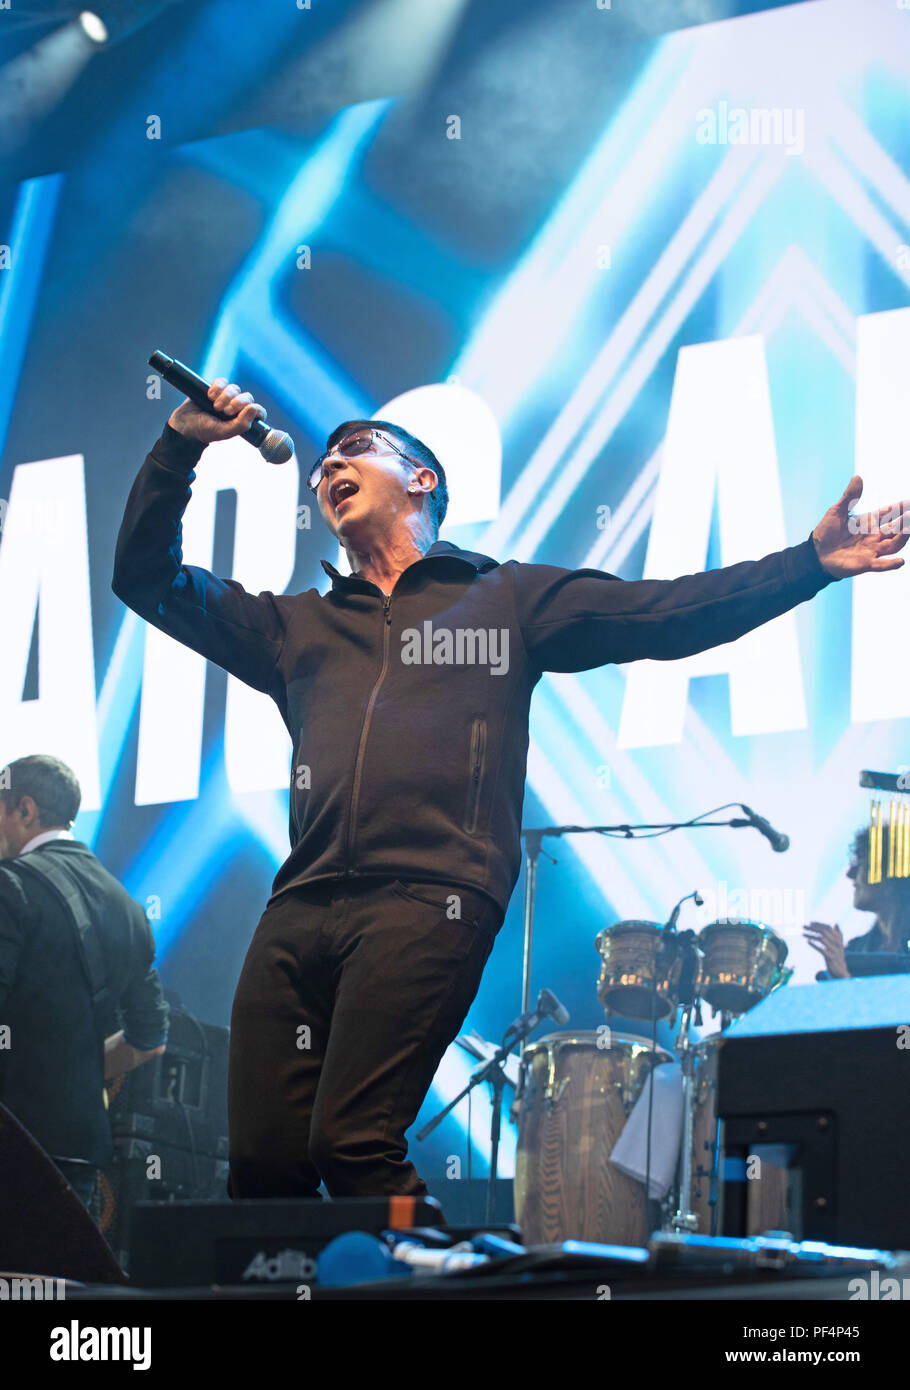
x=44, y=1228
x=821, y=1074
x=256, y=1242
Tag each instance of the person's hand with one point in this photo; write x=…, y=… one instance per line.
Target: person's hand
x=848, y=545
x=121, y=1057
x=830, y=942
x=196, y=423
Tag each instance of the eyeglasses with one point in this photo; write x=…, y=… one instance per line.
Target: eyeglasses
x=353, y=446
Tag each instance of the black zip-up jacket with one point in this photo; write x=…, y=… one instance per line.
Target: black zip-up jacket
x=402, y=766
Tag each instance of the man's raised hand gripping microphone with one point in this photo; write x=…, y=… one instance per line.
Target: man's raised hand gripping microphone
x=220, y=411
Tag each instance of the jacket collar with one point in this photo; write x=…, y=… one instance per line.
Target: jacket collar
x=45, y=838
x=439, y=550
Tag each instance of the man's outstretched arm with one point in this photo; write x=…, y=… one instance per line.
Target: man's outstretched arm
x=573, y=620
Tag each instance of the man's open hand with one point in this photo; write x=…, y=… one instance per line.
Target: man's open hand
x=847, y=544
x=829, y=942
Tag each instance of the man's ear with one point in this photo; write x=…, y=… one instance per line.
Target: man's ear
x=428, y=478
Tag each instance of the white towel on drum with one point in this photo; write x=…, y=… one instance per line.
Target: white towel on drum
x=630, y=1152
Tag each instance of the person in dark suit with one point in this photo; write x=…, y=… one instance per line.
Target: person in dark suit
x=60, y=1037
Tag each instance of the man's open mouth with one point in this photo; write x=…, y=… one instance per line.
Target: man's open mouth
x=341, y=490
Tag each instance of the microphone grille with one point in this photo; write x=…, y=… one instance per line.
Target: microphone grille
x=277, y=447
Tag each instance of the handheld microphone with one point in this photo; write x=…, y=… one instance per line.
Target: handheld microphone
x=776, y=840
x=274, y=445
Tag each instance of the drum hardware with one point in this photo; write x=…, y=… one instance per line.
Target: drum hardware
x=684, y=1218
x=552, y=1093
x=554, y=1096
x=741, y=962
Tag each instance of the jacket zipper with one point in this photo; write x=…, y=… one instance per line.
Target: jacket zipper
x=477, y=760
x=358, y=765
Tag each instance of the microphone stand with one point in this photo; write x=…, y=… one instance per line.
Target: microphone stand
x=685, y=1219
x=533, y=838
x=687, y=939
x=490, y=1071
x=533, y=850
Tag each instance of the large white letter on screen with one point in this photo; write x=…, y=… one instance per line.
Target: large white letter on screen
x=257, y=746
x=44, y=573
x=720, y=437
x=881, y=656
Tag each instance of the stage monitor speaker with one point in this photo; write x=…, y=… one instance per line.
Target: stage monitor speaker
x=44, y=1228
x=821, y=1074
x=256, y=1242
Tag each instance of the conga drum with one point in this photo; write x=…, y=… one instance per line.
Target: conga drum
x=742, y=962
x=640, y=969
x=575, y=1094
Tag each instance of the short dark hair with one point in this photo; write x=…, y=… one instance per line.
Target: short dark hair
x=50, y=783
x=859, y=846
x=439, y=497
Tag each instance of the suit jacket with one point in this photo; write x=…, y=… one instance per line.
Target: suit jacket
x=52, y=1067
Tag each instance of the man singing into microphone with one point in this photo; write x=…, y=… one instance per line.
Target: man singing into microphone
x=405, y=690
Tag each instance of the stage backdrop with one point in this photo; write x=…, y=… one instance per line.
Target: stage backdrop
x=652, y=321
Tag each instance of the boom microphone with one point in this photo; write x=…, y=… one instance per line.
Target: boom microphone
x=548, y=1006
x=776, y=840
x=274, y=445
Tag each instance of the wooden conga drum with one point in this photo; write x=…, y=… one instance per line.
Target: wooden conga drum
x=574, y=1097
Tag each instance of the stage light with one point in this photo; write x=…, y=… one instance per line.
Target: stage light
x=94, y=26
x=38, y=79
x=115, y=20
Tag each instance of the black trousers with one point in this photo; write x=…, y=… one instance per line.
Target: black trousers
x=348, y=998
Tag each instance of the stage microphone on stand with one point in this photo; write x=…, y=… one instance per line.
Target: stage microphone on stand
x=776, y=840
x=674, y=915
x=548, y=1006
x=274, y=445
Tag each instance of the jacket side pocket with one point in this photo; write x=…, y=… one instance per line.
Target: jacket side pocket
x=476, y=765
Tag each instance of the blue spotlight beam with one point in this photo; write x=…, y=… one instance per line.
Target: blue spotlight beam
x=33, y=220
